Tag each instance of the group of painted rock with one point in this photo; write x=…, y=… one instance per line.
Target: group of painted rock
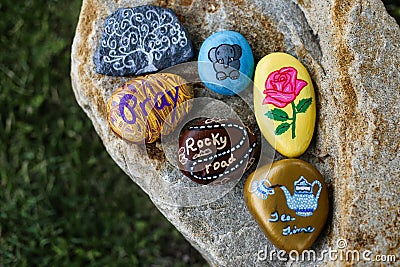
x=288, y=198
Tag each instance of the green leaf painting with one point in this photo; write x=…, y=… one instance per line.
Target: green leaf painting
x=282, y=128
x=277, y=115
x=303, y=105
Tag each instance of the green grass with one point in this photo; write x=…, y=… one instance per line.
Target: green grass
x=63, y=201
x=393, y=7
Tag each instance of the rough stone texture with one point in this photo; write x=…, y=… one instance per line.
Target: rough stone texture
x=351, y=49
x=141, y=40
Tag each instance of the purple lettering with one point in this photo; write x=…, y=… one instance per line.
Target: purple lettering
x=124, y=103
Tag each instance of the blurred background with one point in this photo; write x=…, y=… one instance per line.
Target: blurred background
x=63, y=201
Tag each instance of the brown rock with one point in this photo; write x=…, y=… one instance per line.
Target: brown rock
x=211, y=149
x=289, y=200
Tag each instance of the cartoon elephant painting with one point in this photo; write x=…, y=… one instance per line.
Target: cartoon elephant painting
x=226, y=61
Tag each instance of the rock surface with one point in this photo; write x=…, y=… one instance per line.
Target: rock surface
x=350, y=49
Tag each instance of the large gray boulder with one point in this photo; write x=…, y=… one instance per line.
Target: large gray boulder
x=351, y=49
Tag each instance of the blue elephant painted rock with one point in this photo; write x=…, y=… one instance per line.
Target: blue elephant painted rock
x=226, y=63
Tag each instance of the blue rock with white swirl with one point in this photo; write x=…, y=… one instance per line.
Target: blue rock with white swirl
x=141, y=40
x=226, y=63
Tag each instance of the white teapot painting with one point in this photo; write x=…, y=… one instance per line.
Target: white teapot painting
x=303, y=201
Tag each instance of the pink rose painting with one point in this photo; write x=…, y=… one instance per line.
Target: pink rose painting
x=281, y=88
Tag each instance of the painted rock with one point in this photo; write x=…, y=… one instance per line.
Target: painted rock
x=139, y=111
x=229, y=63
x=284, y=103
x=142, y=40
x=289, y=200
x=211, y=149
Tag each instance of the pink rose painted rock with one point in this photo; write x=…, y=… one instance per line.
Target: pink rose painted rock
x=284, y=103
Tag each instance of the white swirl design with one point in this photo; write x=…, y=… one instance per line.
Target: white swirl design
x=149, y=33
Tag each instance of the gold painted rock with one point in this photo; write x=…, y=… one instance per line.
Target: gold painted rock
x=289, y=200
x=139, y=111
x=284, y=103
